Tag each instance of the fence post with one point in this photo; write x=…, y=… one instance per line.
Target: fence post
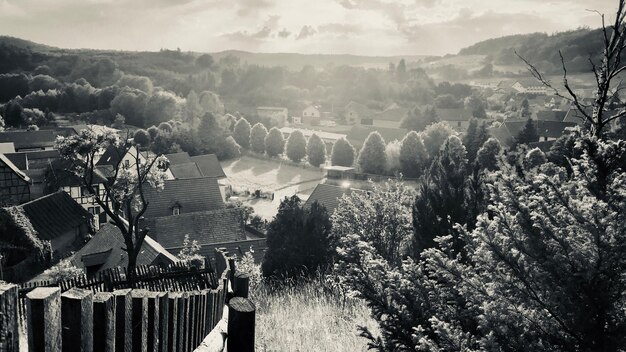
x=44, y=319
x=103, y=322
x=172, y=322
x=152, y=321
x=163, y=303
x=241, y=316
x=123, y=316
x=9, y=328
x=139, y=320
x=77, y=320
x=183, y=309
x=241, y=285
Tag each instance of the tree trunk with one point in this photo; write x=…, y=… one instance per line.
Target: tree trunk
x=130, y=269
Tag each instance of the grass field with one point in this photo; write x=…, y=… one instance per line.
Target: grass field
x=309, y=319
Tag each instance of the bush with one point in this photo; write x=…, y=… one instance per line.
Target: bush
x=372, y=158
x=413, y=155
x=342, y=153
x=296, y=146
x=230, y=149
x=316, y=151
x=274, y=142
x=142, y=137
x=257, y=138
x=298, y=240
x=242, y=133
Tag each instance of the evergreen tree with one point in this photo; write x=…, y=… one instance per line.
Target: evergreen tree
x=298, y=240
x=413, y=155
x=316, y=150
x=434, y=136
x=274, y=142
x=528, y=134
x=296, y=146
x=242, y=133
x=372, y=156
x=257, y=138
x=488, y=154
x=342, y=153
x=525, y=109
x=475, y=136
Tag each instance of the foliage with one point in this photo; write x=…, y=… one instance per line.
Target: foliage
x=489, y=154
x=417, y=120
x=63, y=270
x=392, y=156
x=372, y=156
x=190, y=251
x=413, y=158
x=316, y=150
x=257, y=138
x=528, y=134
x=298, y=240
x=342, y=153
x=242, y=133
x=296, y=146
x=475, y=136
x=246, y=264
x=274, y=142
x=434, y=136
x=534, y=158
x=142, y=138
x=19, y=238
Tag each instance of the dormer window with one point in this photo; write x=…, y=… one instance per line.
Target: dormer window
x=176, y=211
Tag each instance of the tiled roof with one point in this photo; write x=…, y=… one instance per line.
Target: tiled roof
x=191, y=195
x=178, y=158
x=358, y=134
x=327, y=195
x=105, y=248
x=60, y=174
x=209, y=165
x=187, y=170
x=35, y=159
x=55, y=214
x=4, y=160
x=32, y=139
x=551, y=115
x=206, y=227
x=454, y=114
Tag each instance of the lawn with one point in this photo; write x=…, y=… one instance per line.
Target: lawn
x=281, y=178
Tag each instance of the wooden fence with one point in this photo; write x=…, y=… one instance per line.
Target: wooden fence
x=129, y=320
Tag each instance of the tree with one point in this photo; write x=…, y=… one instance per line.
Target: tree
x=161, y=107
x=257, y=138
x=119, y=122
x=242, y=133
x=204, y=61
x=413, y=156
x=525, y=109
x=296, y=146
x=1, y=123
x=229, y=150
x=342, y=153
x=528, y=134
x=123, y=197
x=475, y=136
x=392, y=155
x=299, y=241
x=477, y=106
x=417, y=120
x=274, y=142
x=534, y=158
x=142, y=138
x=166, y=127
x=316, y=150
x=488, y=155
x=434, y=136
x=372, y=156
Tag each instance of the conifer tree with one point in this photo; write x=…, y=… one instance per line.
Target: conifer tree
x=274, y=142
x=257, y=138
x=342, y=153
x=372, y=156
x=296, y=146
x=242, y=133
x=528, y=134
x=413, y=155
x=316, y=150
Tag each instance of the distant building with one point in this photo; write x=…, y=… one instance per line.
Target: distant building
x=507, y=131
x=390, y=117
x=311, y=115
x=24, y=140
x=181, y=196
x=278, y=114
x=327, y=195
x=14, y=184
x=529, y=86
x=458, y=119
x=355, y=113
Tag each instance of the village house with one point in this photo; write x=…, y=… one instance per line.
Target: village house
x=357, y=113
x=278, y=115
x=24, y=140
x=530, y=86
x=181, y=165
x=311, y=115
x=458, y=119
x=181, y=196
x=35, y=164
x=328, y=196
x=41, y=232
x=548, y=131
x=390, y=117
x=14, y=184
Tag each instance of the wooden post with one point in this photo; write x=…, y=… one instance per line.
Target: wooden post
x=139, y=320
x=242, y=282
x=103, y=322
x=163, y=302
x=152, y=321
x=172, y=322
x=123, y=316
x=241, y=316
x=9, y=327
x=44, y=319
x=183, y=308
x=77, y=320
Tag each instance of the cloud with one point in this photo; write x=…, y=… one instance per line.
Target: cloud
x=340, y=28
x=252, y=7
x=306, y=32
x=265, y=32
x=284, y=33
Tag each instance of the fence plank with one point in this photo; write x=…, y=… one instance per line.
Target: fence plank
x=241, y=316
x=241, y=284
x=9, y=327
x=103, y=322
x=44, y=319
x=123, y=315
x=139, y=320
x=172, y=322
x=183, y=301
x=77, y=320
x=163, y=302
x=153, y=321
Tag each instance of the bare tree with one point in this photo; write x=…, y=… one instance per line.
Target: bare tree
x=123, y=197
x=606, y=73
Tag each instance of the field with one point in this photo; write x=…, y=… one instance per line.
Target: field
x=309, y=319
x=281, y=178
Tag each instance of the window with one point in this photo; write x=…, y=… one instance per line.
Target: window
x=126, y=163
x=176, y=211
x=458, y=124
x=94, y=210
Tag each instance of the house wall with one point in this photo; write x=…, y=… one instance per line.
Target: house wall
x=13, y=189
x=88, y=202
x=311, y=112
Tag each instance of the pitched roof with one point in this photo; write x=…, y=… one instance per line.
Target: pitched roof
x=359, y=108
x=105, y=249
x=23, y=139
x=7, y=147
x=392, y=113
x=358, y=134
x=111, y=156
x=551, y=115
x=209, y=165
x=327, y=195
x=18, y=159
x=61, y=175
x=55, y=214
x=459, y=114
x=178, y=158
x=186, y=170
x=15, y=169
x=206, y=227
x=529, y=82
x=34, y=159
x=190, y=194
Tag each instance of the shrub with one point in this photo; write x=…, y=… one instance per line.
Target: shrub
x=296, y=146
x=274, y=142
x=342, y=153
x=242, y=133
x=372, y=156
x=316, y=151
x=257, y=138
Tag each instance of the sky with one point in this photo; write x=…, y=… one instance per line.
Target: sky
x=361, y=27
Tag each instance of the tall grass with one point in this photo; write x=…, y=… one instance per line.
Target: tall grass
x=308, y=316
